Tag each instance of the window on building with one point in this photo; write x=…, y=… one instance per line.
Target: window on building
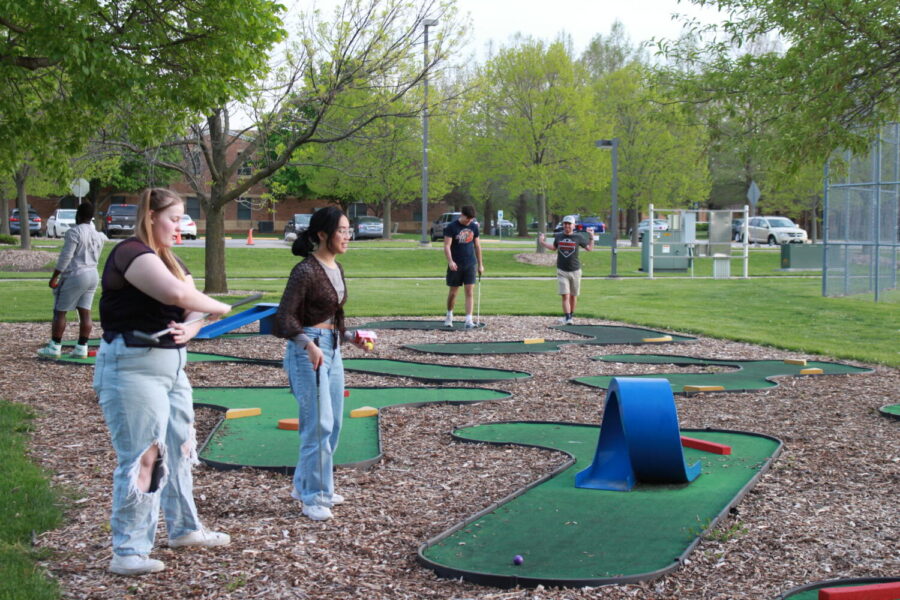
x=193, y=207
x=245, y=170
x=244, y=209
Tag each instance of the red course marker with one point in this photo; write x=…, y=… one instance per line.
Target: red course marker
x=875, y=591
x=713, y=447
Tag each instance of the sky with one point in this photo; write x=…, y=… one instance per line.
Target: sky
x=498, y=20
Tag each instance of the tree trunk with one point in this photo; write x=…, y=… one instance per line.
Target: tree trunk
x=488, y=214
x=22, y=202
x=522, y=215
x=216, y=280
x=4, y=214
x=632, y=223
x=542, y=218
x=386, y=218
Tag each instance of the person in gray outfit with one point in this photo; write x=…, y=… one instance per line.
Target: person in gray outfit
x=74, y=282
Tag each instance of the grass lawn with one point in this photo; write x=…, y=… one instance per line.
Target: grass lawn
x=398, y=278
x=27, y=506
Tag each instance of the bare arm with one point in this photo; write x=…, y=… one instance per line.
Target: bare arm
x=590, y=245
x=149, y=274
x=478, y=255
x=447, y=254
x=542, y=240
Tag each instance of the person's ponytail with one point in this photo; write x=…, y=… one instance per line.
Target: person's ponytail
x=303, y=245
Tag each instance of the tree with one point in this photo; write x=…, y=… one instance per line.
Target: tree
x=538, y=95
x=662, y=148
x=76, y=63
x=832, y=87
x=370, y=46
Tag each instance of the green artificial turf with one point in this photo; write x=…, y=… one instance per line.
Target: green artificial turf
x=575, y=536
x=257, y=442
x=891, y=410
x=595, y=334
x=746, y=374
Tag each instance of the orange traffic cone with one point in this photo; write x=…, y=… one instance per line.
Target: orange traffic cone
x=177, y=238
x=250, y=237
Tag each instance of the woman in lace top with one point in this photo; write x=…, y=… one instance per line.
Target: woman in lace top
x=311, y=317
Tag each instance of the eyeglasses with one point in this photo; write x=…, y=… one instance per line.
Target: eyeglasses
x=345, y=231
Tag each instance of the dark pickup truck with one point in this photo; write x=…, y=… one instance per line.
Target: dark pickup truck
x=119, y=220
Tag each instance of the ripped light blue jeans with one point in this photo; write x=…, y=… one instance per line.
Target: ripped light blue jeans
x=146, y=399
x=320, y=397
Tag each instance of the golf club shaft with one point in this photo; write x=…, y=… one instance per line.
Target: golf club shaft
x=155, y=336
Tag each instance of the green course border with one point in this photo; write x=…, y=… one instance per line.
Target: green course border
x=891, y=411
x=447, y=373
x=600, y=381
x=520, y=347
x=810, y=591
x=597, y=340
x=363, y=427
x=507, y=580
x=419, y=325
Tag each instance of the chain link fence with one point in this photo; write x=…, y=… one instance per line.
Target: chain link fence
x=862, y=220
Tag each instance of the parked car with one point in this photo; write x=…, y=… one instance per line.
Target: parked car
x=34, y=222
x=775, y=230
x=367, y=227
x=437, y=227
x=737, y=229
x=583, y=223
x=119, y=220
x=297, y=224
x=659, y=225
x=507, y=227
x=188, y=227
x=60, y=222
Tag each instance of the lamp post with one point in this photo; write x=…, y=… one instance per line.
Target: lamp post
x=425, y=241
x=614, y=224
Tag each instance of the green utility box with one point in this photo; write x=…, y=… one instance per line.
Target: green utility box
x=800, y=257
x=670, y=253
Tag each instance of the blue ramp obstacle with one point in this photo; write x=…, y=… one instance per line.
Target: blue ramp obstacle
x=263, y=312
x=639, y=439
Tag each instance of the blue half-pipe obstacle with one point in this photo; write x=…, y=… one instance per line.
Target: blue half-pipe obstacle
x=264, y=312
x=639, y=439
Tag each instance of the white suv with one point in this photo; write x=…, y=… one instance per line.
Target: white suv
x=775, y=230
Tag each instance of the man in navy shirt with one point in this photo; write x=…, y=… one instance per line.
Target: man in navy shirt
x=463, y=251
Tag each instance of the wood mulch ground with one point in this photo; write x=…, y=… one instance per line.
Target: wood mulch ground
x=826, y=509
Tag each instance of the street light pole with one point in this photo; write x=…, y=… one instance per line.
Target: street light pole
x=425, y=241
x=614, y=220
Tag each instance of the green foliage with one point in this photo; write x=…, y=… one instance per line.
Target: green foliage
x=7, y=239
x=82, y=63
x=27, y=505
x=832, y=86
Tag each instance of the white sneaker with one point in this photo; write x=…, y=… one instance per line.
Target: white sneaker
x=135, y=564
x=470, y=325
x=448, y=322
x=51, y=350
x=203, y=538
x=570, y=321
x=79, y=351
x=335, y=498
x=317, y=512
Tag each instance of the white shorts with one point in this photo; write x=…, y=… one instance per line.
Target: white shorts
x=569, y=282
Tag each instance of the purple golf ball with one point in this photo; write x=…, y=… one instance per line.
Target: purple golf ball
x=518, y=559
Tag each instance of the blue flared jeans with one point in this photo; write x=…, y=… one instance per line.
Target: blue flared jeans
x=320, y=398
x=146, y=399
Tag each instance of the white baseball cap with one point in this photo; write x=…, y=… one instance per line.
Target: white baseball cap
x=569, y=219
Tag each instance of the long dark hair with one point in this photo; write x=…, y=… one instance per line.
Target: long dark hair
x=324, y=220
